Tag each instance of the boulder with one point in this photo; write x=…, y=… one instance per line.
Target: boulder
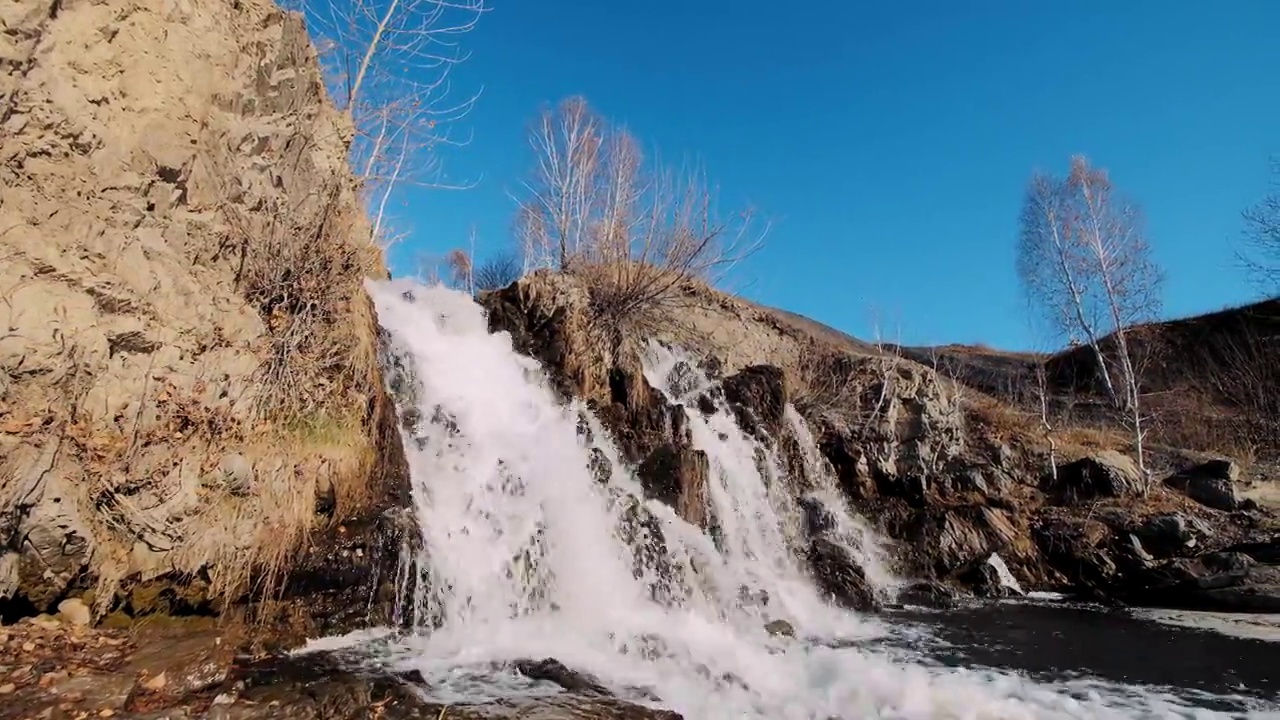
x=1212, y=484
x=1104, y=474
x=1263, y=551
x=758, y=397
x=956, y=539
x=1165, y=536
x=992, y=578
x=780, y=628
x=839, y=575
x=1080, y=550
x=1218, y=582
x=677, y=475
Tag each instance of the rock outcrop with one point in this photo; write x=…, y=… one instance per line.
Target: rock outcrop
x=190, y=394
x=965, y=489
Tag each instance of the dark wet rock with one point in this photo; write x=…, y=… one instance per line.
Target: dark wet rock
x=987, y=581
x=817, y=518
x=780, y=627
x=1212, y=484
x=849, y=463
x=554, y=671
x=323, y=686
x=677, y=475
x=956, y=539
x=758, y=397
x=839, y=576
x=1222, y=582
x=1078, y=548
x=599, y=466
x=1105, y=474
x=1265, y=551
x=1166, y=536
x=929, y=593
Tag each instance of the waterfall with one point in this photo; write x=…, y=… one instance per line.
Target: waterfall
x=537, y=542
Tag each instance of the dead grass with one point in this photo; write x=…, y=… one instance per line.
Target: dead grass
x=303, y=269
x=247, y=541
x=1018, y=426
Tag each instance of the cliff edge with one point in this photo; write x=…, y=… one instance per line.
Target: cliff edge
x=191, y=405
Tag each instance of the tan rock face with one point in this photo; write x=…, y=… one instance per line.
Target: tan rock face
x=185, y=348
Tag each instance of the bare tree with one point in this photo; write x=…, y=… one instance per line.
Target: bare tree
x=1262, y=237
x=1084, y=259
x=594, y=205
x=388, y=66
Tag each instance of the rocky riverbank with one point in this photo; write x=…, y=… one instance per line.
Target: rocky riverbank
x=959, y=483
x=58, y=668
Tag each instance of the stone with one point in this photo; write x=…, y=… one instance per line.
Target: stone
x=236, y=474
x=992, y=578
x=780, y=628
x=599, y=466
x=1165, y=535
x=75, y=612
x=839, y=575
x=1212, y=484
x=553, y=670
x=1217, y=582
x=758, y=396
x=1104, y=474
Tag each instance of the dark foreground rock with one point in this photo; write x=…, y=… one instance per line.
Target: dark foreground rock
x=191, y=670
x=1222, y=581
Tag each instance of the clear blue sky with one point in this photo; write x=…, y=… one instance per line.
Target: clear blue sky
x=891, y=141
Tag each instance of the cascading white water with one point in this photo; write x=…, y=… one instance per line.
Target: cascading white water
x=528, y=555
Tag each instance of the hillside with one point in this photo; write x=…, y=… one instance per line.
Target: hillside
x=1211, y=381
x=190, y=394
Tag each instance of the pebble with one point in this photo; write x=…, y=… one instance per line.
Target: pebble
x=156, y=682
x=28, y=646
x=74, y=611
x=46, y=622
x=8, y=689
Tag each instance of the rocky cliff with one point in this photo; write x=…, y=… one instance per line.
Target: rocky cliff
x=191, y=405
x=952, y=477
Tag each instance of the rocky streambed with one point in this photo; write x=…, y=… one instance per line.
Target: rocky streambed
x=53, y=667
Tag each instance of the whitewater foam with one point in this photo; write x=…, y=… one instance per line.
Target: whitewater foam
x=525, y=555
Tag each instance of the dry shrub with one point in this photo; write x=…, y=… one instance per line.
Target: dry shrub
x=301, y=264
x=824, y=384
x=302, y=268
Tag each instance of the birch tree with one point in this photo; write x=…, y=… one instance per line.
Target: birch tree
x=595, y=204
x=388, y=64
x=1084, y=261
x=1262, y=236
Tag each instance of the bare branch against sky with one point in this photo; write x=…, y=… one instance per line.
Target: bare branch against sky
x=1261, y=255
x=388, y=65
